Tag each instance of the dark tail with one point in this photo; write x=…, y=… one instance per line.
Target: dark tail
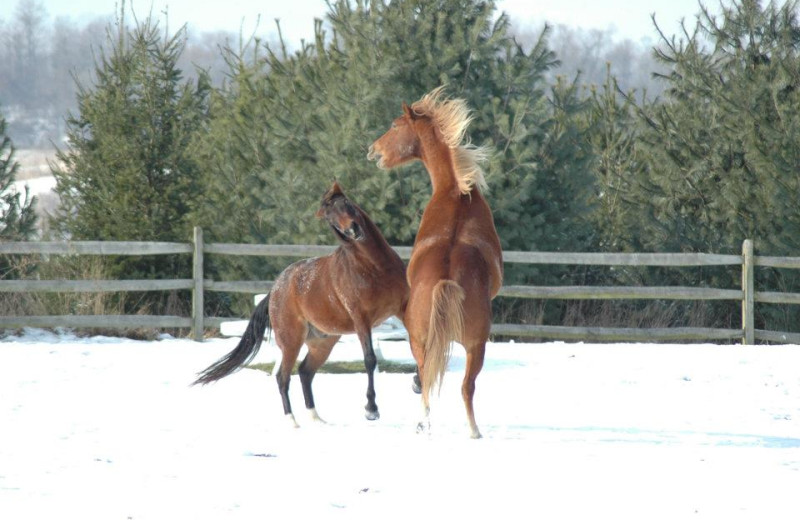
x=245, y=351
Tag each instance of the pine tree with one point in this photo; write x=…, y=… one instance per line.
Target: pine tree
x=614, y=132
x=126, y=173
x=723, y=146
x=287, y=124
x=17, y=210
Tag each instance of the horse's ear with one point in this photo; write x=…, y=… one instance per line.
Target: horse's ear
x=409, y=113
x=335, y=188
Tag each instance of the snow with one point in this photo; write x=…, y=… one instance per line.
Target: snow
x=37, y=186
x=109, y=428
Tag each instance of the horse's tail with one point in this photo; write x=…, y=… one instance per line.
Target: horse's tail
x=446, y=325
x=245, y=351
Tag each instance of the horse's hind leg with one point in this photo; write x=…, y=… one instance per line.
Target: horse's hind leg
x=419, y=357
x=319, y=348
x=416, y=384
x=476, y=334
x=475, y=355
x=477, y=324
x=289, y=350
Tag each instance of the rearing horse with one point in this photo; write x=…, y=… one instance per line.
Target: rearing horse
x=456, y=265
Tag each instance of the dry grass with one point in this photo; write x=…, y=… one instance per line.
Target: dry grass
x=75, y=303
x=616, y=314
x=643, y=315
x=347, y=367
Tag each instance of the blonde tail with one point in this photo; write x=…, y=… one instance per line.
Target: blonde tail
x=446, y=326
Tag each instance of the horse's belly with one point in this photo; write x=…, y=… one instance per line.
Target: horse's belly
x=329, y=317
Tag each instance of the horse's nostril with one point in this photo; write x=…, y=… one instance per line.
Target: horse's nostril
x=371, y=153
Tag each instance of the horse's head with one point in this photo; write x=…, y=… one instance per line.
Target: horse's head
x=345, y=218
x=400, y=144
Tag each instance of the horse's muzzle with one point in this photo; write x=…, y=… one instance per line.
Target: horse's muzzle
x=354, y=232
x=373, y=155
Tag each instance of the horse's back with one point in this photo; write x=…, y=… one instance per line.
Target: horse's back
x=285, y=316
x=300, y=294
x=458, y=241
x=333, y=294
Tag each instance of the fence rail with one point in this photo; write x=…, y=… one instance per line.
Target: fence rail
x=198, y=284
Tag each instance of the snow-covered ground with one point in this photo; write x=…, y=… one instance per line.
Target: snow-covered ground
x=103, y=428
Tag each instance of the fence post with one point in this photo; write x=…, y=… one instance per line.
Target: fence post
x=748, y=301
x=197, y=292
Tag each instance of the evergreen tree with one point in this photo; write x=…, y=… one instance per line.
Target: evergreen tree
x=287, y=124
x=723, y=146
x=613, y=136
x=126, y=173
x=17, y=210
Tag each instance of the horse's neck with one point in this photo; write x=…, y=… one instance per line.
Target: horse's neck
x=373, y=249
x=438, y=160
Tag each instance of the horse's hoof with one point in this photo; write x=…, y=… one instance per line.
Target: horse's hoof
x=372, y=414
x=315, y=416
x=415, y=385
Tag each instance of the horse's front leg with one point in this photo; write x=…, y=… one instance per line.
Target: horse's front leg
x=370, y=363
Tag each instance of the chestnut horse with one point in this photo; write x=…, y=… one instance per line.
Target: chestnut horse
x=456, y=265
x=317, y=300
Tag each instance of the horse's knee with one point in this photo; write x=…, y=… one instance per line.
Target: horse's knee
x=370, y=361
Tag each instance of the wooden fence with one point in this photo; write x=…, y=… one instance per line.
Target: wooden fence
x=198, y=284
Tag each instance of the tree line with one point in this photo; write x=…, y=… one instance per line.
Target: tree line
x=43, y=59
x=577, y=166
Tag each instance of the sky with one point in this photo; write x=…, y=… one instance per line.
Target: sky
x=630, y=19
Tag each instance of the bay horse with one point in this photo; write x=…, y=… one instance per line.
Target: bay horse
x=456, y=265
x=315, y=301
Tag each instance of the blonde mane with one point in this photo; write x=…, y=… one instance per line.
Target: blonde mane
x=452, y=117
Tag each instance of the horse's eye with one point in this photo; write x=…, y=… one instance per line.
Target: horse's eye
x=394, y=125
